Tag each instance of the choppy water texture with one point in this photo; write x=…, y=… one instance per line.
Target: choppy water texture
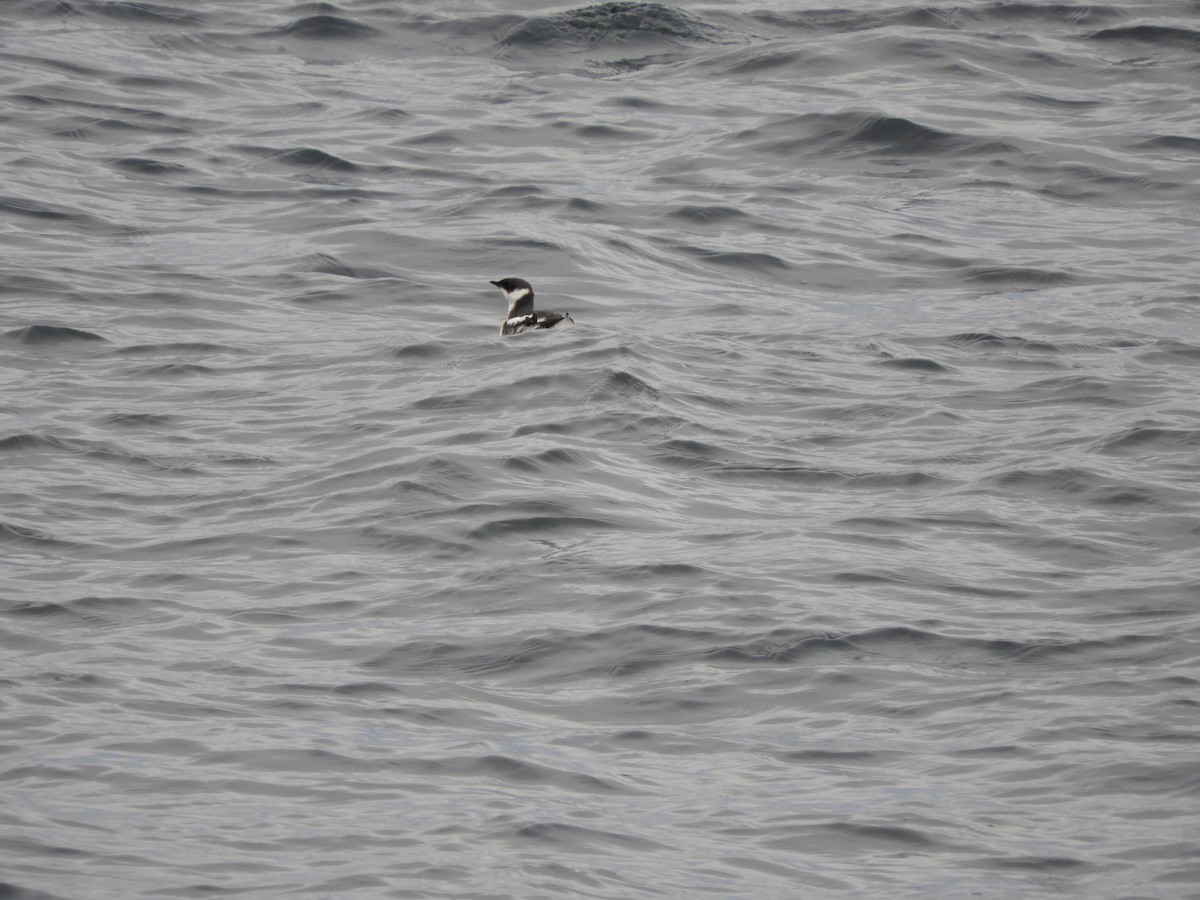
x=848, y=545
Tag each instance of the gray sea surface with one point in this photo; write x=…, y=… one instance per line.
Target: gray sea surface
x=848, y=545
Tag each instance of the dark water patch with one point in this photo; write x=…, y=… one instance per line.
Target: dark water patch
x=538, y=526
x=1045, y=864
x=915, y=364
x=149, y=13
x=442, y=137
x=785, y=646
x=545, y=460
x=781, y=647
x=721, y=464
x=496, y=767
x=172, y=370
x=54, y=9
x=139, y=420
x=327, y=27
x=1155, y=36
x=601, y=68
x=142, y=166
x=1015, y=277
x=636, y=102
x=852, y=134
x=39, y=446
x=139, y=121
x=840, y=20
x=608, y=25
x=173, y=347
x=1088, y=184
x=1150, y=440
x=156, y=83
x=97, y=610
x=756, y=62
x=980, y=522
x=646, y=572
x=11, y=891
x=1050, y=102
x=388, y=114
x=616, y=651
x=1067, y=481
x=1078, y=484
x=312, y=158
x=515, y=190
x=609, y=133
x=618, y=383
x=1049, y=14
x=736, y=259
x=823, y=757
x=1173, y=352
x=707, y=215
x=31, y=209
x=40, y=335
x=325, y=264
x=1073, y=389
x=865, y=836
x=1172, y=142
x=983, y=340
x=23, y=536
x=413, y=542
x=424, y=350
x=584, y=206
x=562, y=837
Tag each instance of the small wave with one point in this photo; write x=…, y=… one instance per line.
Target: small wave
x=126, y=11
x=422, y=350
x=610, y=133
x=748, y=261
x=619, y=383
x=1172, y=351
x=142, y=166
x=312, y=158
x=608, y=24
x=327, y=27
x=547, y=459
x=528, y=526
x=169, y=347
x=861, y=134
x=114, y=610
x=1016, y=277
x=42, y=444
x=1074, y=389
x=1172, y=142
x=330, y=265
x=173, y=370
x=21, y=535
x=915, y=364
x=1154, y=35
x=51, y=334
x=27, y=441
x=496, y=767
x=707, y=215
x=1048, y=865
x=989, y=341
x=138, y=420
x=564, y=837
x=1151, y=439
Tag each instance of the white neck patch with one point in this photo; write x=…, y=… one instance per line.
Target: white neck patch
x=514, y=297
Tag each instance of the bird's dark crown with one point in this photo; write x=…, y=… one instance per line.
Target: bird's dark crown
x=511, y=284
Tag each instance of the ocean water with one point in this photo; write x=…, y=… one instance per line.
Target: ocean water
x=849, y=545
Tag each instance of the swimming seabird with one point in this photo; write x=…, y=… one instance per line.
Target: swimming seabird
x=521, y=314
